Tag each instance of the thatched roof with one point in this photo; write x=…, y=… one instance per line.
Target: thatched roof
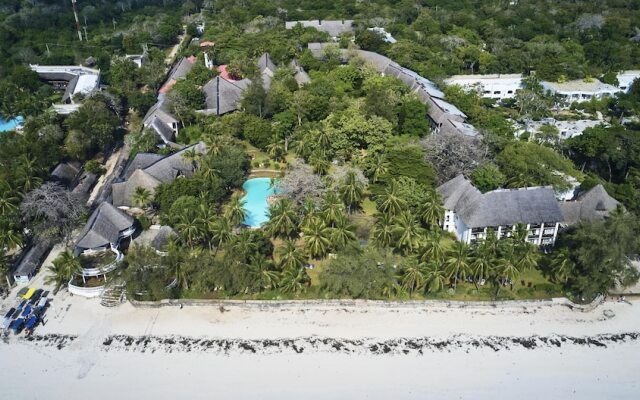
x=532, y=205
x=104, y=227
x=592, y=205
x=223, y=96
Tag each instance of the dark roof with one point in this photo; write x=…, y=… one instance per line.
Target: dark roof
x=592, y=205
x=163, y=170
x=182, y=68
x=162, y=238
x=31, y=260
x=66, y=173
x=223, y=96
x=300, y=75
x=159, y=110
x=164, y=131
x=71, y=86
x=141, y=161
x=532, y=205
x=265, y=62
x=85, y=183
x=104, y=227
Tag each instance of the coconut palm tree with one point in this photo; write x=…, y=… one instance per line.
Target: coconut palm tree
x=435, y=277
x=289, y=256
x=11, y=238
x=342, y=233
x=234, y=210
x=382, y=232
x=457, y=262
x=412, y=276
x=317, y=238
x=331, y=207
x=283, y=220
x=320, y=164
x=379, y=167
x=63, y=268
x=408, y=232
x=562, y=265
x=276, y=150
x=191, y=156
x=207, y=170
x=483, y=261
x=263, y=273
x=389, y=202
x=221, y=232
x=4, y=267
x=303, y=147
x=432, y=212
x=8, y=199
x=433, y=249
x=141, y=197
x=27, y=174
x=189, y=230
x=294, y=280
x=352, y=191
x=507, y=267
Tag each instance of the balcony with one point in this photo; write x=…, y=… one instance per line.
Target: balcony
x=100, y=263
x=91, y=288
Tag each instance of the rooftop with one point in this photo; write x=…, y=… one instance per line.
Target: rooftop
x=333, y=28
x=579, y=85
x=103, y=227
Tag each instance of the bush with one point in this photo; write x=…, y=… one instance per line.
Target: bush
x=94, y=167
x=144, y=222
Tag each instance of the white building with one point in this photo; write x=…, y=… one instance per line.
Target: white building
x=470, y=214
x=495, y=86
x=75, y=80
x=567, y=129
x=626, y=78
x=333, y=28
x=579, y=90
x=383, y=32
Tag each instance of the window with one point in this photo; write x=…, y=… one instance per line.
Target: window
x=496, y=92
x=510, y=92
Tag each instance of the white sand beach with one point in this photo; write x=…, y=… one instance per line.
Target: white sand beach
x=363, y=351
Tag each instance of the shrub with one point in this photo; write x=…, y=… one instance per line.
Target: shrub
x=94, y=167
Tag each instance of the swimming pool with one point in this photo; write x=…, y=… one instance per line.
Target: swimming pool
x=11, y=124
x=256, y=207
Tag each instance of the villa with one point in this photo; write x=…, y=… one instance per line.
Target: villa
x=579, y=90
x=162, y=122
x=493, y=86
x=97, y=247
x=267, y=69
x=223, y=96
x=626, y=78
x=300, y=75
x=593, y=205
x=333, y=28
x=179, y=71
x=470, y=213
x=77, y=81
x=148, y=171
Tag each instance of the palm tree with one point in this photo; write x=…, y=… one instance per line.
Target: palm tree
x=11, y=238
x=408, y=232
x=283, y=219
x=435, y=277
x=412, y=276
x=207, y=170
x=62, y=270
x=317, y=238
x=262, y=270
x=294, y=280
x=141, y=197
x=188, y=229
x=432, y=211
x=215, y=143
x=276, y=150
x=26, y=174
x=562, y=265
x=389, y=202
x=191, y=156
x=303, y=147
x=482, y=262
x=320, y=164
x=379, y=167
x=234, y=210
x=507, y=267
x=289, y=256
x=8, y=200
x=243, y=246
x=352, y=191
x=4, y=267
x=433, y=249
x=221, y=232
x=457, y=262
x=331, y=207
x=342, y=233
x=383, y=231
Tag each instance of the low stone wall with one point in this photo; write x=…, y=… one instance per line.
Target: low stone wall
x=296, y=304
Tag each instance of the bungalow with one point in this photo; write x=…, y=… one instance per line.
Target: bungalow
x=223, y=96
x=299, y=74
x=75, y=80
x=161, y=121
x=469, y=214
x=579, y=90
x=493, y=86
x=149, y=171
x=30, y=262
x=267, y=68
x=179, y=71
x=104, y=230
x=66, y=174
x=333, y=28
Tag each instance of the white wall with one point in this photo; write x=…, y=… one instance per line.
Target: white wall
x=490, y=86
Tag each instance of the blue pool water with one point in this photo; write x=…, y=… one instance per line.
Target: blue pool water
x=11, y=124
x=256, y=207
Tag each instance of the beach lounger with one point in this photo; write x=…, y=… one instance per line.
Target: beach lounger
x=6, y=322
x=31, y=323
x=10, y=312
x=26, y=311
x=42, y=302
x=16, y=314
x=16, y=325
x=29, y=293
x=22, y=292
x=45, y=294
x=36, y=296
